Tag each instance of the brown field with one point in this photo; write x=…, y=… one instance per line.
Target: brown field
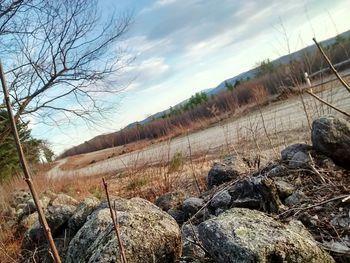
x=251, y=130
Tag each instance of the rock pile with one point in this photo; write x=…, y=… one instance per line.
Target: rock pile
x=83, y=232
x=237, y=219
x=286, y=211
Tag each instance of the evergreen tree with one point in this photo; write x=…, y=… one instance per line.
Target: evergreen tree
x=9, y=162
x=229, y=86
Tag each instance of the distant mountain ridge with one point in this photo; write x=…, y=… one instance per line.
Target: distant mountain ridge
x=248, y=74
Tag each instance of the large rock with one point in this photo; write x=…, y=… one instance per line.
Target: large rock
x=83, y=210
x=331, y=136
x=56, y=216
x=220, y=173
x=244, y=235
x=256, y=193
x=148, y=235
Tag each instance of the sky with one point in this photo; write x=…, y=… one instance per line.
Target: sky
x=185, y=46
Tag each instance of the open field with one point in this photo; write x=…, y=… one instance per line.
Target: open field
x=261, y=132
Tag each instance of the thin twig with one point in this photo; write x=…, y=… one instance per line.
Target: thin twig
x=313, y=168
x=299, y=209
x=346, y=199
x=342, y=81
x=116, y=226
x=328, y=104
x=196, y=240
x=27, y=176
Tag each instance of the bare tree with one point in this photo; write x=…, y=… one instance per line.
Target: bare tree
x=8, y=10
x=62, y=58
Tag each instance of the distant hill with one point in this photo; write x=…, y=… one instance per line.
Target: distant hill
x=281, y=60
x=248, y=74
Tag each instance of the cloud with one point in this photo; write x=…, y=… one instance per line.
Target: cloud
x=147, y=72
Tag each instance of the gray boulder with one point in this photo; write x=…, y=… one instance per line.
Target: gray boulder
x=243, y=235
x=172, y=200
x=220, y=173
x=148, y=235
x=331, y=136
x=30, y=207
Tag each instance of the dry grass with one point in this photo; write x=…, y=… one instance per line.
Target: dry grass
x=9, y=245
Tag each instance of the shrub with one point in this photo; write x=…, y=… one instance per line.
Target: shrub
x=176, y=162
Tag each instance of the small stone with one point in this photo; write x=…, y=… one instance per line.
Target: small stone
x=341, y=221
x=299, y=160
x=278, y=171
x=221, y=173
x=284, y=189
x=191, y=205
x=296, y=198
x=288, y=153
x=221, y=200
x=49, y=194
x=28, y=221
x=63, y=199
x=19, y=197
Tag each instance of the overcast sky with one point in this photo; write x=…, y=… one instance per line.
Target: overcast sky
x=184, y=46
